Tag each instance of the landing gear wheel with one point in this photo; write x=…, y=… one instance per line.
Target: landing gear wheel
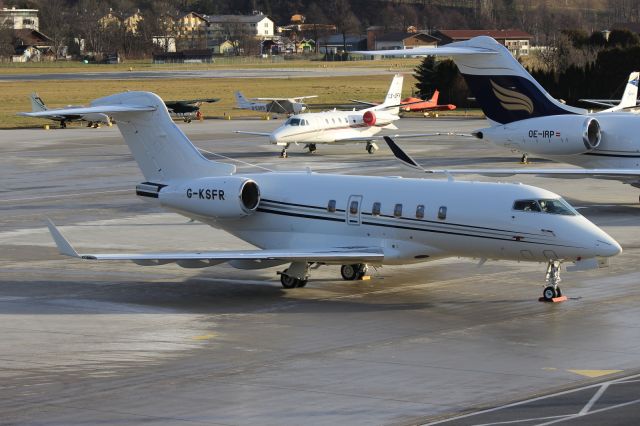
x=301, y=283
x=549, y=293
x=349, y=272
x=524, y=159
x=312, y=148
x=353, y=272
x=370, y=149
x=283, y=153
x=288, y=282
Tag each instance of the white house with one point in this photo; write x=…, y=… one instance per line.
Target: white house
x=20, y=19
x=257, y=25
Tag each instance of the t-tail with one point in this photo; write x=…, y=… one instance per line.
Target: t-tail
x=163, y=152
x=391, y=102
x=241, y=101
x=434, y=97
x=505, y=91
x=37, y=104
x=630, y=94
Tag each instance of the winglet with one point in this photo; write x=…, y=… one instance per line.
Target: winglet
x=64, y=247
x=401, y=155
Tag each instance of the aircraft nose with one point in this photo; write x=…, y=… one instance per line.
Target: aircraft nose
x=607, y=247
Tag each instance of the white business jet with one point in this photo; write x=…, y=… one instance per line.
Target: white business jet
x=340, y=127
x=629, y=98
x=92, y=119
x=306, y=219
x=273, y=105
x=526, y=118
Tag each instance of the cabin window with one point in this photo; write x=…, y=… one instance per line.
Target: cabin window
x=333, y=120
x=326, y=120
x=331, y=207
x=442, y=213
x=397, y=210
x=420, y=211
x=353, y=207
x=375, y=210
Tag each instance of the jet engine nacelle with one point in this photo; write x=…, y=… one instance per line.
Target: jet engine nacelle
x=369, y=118
x=221, y=197
x=552, y=135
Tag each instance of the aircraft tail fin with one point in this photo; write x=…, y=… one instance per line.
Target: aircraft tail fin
x=434, y=97
x=241, y=101
x=163, y=152
x=394, y=95
x=37, y=104
x=630, y=95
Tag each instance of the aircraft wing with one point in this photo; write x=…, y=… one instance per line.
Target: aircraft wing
x=284, y=99
x=102, y=109
x=337, y=254
x=550, y=172
x=192, y=101
x=602, y=102
x=364, y=102
x=253, y=133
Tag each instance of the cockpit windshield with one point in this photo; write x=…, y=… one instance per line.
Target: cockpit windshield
x=296, y=122
x=551, y=206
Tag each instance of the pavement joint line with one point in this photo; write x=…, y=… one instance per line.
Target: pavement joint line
x=508, y=422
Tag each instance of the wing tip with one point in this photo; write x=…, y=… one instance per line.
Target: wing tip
x=64, y=246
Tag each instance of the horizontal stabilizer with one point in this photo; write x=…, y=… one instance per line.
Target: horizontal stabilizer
x=252, y=133
x=100, y=109
x=400, y=154
x=550, y=172
x=336, y=255
x=426, y=51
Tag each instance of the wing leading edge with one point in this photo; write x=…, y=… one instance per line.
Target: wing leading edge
x=195, y=259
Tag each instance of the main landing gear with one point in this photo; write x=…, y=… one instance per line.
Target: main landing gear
x=354, y=272
x=283, y=153
x=311, y=147
x=552, y=292
x=524, y=159
x=297, y=274
x=371, y=147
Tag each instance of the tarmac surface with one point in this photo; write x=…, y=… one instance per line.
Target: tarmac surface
x=302, y=72
x=87, y=342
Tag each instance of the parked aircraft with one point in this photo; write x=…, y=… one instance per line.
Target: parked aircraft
x=93, y=120
x=273, y=105
x=307, y=218
x=187, y=109
x=412, y=104
x=629, y=96
x=340, y=127
x=526, y=118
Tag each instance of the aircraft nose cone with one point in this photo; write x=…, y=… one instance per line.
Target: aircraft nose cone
x=274, y=137
x=607, y=247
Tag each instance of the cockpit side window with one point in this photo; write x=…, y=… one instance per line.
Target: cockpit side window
x=551, y=206
x=526, y=206
x=293, y=122
x=558, y=206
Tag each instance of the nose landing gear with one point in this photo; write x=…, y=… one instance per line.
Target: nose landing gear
x=283, y=153
x=371, y=147
x=552, y=292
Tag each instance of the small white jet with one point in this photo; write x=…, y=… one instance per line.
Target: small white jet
x=340, y=127
x=629, y=98
x=526, y=118
x=305, y=218
x=92, y=119
x=294, y=105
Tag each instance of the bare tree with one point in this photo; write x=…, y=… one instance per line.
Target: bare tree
x=345, y=20
x=55, y=18
x=6, y=40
